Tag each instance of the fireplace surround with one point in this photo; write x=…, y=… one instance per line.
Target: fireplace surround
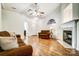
x=70, y=33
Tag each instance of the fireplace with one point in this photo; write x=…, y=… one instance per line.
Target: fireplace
x=67, y=36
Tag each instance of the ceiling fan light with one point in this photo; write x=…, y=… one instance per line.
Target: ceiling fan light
x=29, y=10
x=34, y=10
x=42, y=12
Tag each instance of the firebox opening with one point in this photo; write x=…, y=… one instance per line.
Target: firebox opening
x=67, y=36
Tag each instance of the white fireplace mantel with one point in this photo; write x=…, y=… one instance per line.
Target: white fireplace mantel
x=72, y=25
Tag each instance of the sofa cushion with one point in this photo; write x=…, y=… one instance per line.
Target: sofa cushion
x=12, y=34
x=25, y=50
x=4, y=34
x=8, y=43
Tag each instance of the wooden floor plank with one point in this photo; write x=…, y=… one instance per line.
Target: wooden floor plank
x=50, y=47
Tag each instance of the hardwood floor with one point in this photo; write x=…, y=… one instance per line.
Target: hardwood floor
x=50, y=47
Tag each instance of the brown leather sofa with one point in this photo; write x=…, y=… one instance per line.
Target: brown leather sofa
x=44, y=34
x=23, y=50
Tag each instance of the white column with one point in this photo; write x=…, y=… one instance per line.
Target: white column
x=74, y=35
x=78, y=35
x=0, y=18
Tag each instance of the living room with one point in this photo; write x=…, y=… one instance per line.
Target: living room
x=41, y=25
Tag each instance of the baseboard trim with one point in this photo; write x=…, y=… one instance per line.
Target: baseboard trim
x=64, y=44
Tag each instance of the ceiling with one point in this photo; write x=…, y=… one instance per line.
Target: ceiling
x=21, y=7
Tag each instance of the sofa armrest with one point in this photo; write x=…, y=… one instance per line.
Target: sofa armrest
x=21, y=51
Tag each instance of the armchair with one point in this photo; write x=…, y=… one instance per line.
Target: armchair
x=44, y=34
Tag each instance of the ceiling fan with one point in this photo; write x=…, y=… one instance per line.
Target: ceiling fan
x=34, y=11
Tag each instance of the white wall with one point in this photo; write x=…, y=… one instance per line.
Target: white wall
x=59, y=16
x=67, y=13
x=59, y=22
x=70, y=13
x=56, y=15
x=0, y=18
x=75, y=10
x=36, y=25
x=13, y=22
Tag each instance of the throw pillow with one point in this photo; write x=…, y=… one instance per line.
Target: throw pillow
x=8, y=43
x=12, y=34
